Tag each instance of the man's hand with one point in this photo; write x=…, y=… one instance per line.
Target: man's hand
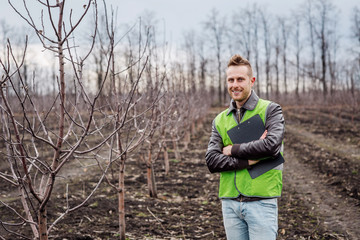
x=263, y=135
x=252, y=162
x=227, y=150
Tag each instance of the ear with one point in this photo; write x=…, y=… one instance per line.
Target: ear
x=252, y=81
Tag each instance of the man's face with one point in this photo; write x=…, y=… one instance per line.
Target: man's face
x=239, y=84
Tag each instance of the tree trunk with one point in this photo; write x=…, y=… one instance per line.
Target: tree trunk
x=121, y=184
x=28, y=213
x=257, y=67
x=150, y=175
x=42, y=215
x=323, y=69
x=297, y=74
x=121, y=199
x=220, y=81
x=199, y=124
x=187, y=140
x=176, y=149
x=352, y=85
x=193, y=128
x=151, y=181
x=285, y=73
x=166, y=159
x=277, y=72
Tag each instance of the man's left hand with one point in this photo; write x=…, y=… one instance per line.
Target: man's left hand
x=227, y=150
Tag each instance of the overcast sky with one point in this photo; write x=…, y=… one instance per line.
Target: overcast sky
x=178, y=15
x=182, y=15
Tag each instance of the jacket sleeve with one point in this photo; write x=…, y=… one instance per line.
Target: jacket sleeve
x=218, y=162
x=271, y=145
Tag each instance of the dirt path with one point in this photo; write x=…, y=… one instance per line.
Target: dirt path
x=337, y=212
x=351, y=151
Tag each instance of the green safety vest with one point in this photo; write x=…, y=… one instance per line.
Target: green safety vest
x=234, y=183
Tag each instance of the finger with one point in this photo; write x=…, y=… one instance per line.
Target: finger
x=263, y=135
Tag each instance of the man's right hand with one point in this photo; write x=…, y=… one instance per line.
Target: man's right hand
x=252, y=162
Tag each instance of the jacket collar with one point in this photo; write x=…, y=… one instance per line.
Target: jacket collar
x=250, y=104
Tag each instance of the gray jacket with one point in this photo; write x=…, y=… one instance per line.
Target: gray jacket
x=240, y=153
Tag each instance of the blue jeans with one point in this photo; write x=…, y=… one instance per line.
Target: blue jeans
x=257, y=220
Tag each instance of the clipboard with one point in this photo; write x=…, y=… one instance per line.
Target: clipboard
x=251, y=130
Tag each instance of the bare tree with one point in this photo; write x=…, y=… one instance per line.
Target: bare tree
x=255, y=47
x=31, y=122
x=308, y=13
x=322, y=36
x=130, y=106
x=203, y=62
x=267, y=45
x=153, y=145
x=243, y=30
x=126, y=143
x=190, y=51
x=298, y=48
x=5, y=32
x=277, y=48
x=99, y=54
x=332, y=59
x=285, y=32
x=216, y=28
x=354, y=66
x=355, y=29
x=320, y=18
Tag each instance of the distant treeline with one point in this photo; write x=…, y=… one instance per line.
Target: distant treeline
x=301, y=52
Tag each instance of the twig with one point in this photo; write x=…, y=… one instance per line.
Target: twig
x=159, y=221
x=12, y=232
x=206, y=234
x=18, y=214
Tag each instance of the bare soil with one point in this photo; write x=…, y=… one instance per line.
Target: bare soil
x=320, y=197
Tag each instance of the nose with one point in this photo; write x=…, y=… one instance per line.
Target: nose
x=236, y=84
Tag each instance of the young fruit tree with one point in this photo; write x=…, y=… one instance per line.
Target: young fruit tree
x=45, y=136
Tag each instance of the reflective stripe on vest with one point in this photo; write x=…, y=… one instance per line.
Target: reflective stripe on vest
x=234, y=183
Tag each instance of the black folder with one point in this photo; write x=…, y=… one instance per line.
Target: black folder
x=248, y=131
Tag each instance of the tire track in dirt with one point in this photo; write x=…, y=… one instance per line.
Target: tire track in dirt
x=339, y=215
x=332, y=145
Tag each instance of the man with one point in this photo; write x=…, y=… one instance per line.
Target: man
x=249, y=205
